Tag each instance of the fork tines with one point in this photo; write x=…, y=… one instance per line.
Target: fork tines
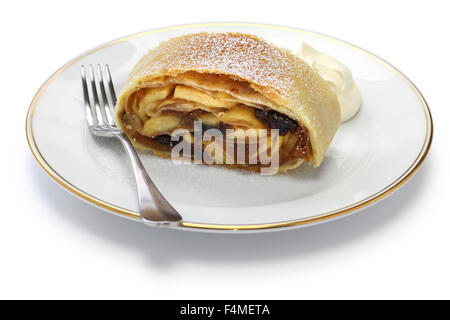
x=100, y=111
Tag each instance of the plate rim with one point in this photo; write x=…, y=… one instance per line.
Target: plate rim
x=389, y=189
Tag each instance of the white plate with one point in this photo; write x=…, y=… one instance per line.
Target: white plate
x=371, y=155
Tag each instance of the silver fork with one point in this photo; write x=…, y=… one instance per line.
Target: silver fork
x=155, y=209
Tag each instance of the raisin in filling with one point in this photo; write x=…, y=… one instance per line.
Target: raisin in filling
x=284, y=124
x=276, y=120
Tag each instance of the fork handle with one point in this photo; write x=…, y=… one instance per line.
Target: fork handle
x=155, y=209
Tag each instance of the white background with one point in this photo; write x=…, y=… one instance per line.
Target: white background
x=52, y=245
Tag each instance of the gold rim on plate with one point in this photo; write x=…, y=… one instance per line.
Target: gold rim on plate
x=326, y=216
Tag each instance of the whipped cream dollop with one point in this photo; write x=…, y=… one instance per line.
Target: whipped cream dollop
x=338, y=76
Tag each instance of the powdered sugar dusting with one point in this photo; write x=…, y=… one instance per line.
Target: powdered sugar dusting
x=241, y=56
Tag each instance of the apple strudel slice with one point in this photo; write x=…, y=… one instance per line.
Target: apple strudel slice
x=232, y=83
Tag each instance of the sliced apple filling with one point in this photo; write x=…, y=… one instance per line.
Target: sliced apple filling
x=153, y=114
